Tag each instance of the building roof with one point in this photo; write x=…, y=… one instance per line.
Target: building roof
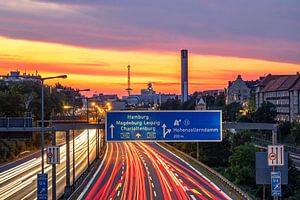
x=279, y=82
x=297, y=85
x=267, y=79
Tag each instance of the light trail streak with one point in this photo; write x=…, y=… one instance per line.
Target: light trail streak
x=19, y=182
x=148, y=171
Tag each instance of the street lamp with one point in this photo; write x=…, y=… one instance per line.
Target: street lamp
x=73, y=132
x=43, y=127
x=88, y=137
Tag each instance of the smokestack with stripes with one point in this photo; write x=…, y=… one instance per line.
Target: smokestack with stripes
x=184, y=75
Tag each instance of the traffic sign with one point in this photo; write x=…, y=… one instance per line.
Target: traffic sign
x=42, y=186
x=263, y=170
x=155, y=126
x=276, y=184
x=275, y=155
x=53, y=155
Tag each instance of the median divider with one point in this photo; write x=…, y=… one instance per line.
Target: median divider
x=85, y=177
x=238, y=193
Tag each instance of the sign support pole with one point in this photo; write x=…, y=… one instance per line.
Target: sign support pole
x=54, y=168
x=67, y=188
x=274, y=142
x=198, y=151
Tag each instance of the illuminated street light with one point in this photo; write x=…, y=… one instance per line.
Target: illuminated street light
x=67, y=107
x=73, y=132
x=43, y=126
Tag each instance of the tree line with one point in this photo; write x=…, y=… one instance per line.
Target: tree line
x=17, y=98
x=234, y=157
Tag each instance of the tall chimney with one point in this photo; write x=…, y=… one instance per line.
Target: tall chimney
x=184, y=75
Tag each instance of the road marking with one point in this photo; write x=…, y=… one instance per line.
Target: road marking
x=152, y=185
x=154, y=193
x=193, y=197
x=176, y=174
x=150, y=178
x=93, y=178
x=193, y=169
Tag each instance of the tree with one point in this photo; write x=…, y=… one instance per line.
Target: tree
x=220, y=100
x=209, y=153
x=231, y=112
x=240, y=138
x=242, y=165
x=266, y=113
x=295, y=131
x=284, y=130
x=171, y=104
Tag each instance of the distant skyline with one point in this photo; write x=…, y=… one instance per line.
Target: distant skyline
x=93, y=41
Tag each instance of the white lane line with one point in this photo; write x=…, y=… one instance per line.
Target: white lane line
x=118, y=193
x=176, y=174
x=93, y=178
x=154, y=193
x=193, y=197
x=214, y=185
x=150, y=178
x=152, y=185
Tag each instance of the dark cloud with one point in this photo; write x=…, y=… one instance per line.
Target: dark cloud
x=256, y=29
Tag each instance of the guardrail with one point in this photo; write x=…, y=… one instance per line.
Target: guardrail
x=16, y=122
x=213, y=173
x=264, y=142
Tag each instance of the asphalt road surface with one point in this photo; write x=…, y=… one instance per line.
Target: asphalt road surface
x=148, y=171
x=18, y=180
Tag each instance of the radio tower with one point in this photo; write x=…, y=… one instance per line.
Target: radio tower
x=128, y=83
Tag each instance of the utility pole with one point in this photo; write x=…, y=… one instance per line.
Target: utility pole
x=67, y=188
x=88, y=137
x=274, y=142
x=53, y=168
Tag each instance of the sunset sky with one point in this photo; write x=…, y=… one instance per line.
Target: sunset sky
x=93, y=41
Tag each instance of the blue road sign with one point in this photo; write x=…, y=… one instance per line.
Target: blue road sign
x=155, y=126
x=42, y=185
x=276, y=184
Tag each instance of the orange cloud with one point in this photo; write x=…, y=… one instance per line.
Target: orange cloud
x=106, y=70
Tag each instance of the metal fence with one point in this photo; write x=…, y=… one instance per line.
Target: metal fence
x=16, y=122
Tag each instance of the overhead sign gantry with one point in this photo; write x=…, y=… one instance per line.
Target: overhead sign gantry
x=164, y=126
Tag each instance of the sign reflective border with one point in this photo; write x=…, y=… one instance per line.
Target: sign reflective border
x=275, y=155
x=276, y=184
x=42, y=186
x=169, y=126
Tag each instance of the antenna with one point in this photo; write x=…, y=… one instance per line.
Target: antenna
x=128, y=81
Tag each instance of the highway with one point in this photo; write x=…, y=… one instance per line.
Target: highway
x=148, y=171
x=19, y=180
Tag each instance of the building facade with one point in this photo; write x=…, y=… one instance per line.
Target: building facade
x=283, y=91
x=237, y=91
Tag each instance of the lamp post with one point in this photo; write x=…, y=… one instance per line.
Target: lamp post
x=43, y=127
x=73, y=134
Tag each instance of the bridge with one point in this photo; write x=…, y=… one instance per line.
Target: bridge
x=119, y=170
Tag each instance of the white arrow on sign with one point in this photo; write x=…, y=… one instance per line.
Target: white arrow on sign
x=112, y=131
x=164, y=130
